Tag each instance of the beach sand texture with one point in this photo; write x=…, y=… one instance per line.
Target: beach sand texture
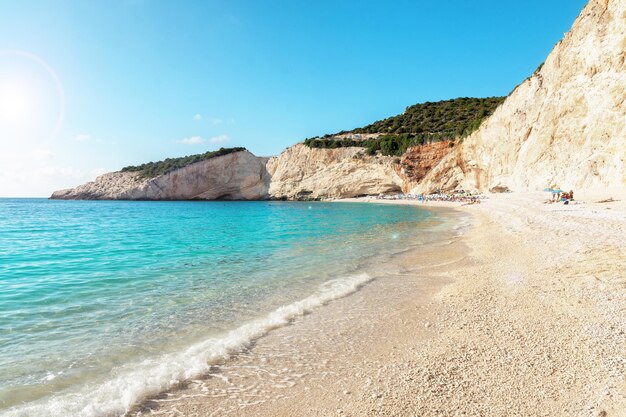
x=523, y=314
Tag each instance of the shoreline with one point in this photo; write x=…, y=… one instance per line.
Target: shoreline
x=567, y=273
x=475, y=331
x=282, y=287
x=389, y=272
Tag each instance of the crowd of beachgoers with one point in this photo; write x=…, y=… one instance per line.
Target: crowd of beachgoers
x=457, y=197
x=556, y=196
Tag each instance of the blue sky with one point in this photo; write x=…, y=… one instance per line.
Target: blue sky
x=92, y=86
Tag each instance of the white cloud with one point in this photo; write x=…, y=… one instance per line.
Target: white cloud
x=199, y=140
x=38, y=170
x=216, y=121
x=193, y=140
x=82, y=137
x=219, y=139
x=35, y=173
x=41, y=154
x=60, y=172
x=94, y=173
x=197, y=117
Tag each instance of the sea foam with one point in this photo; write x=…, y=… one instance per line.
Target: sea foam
x=131, y=383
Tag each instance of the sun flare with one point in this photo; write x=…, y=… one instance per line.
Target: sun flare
x=16, y=103
x=32, y=100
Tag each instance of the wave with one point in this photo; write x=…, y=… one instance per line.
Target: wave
x=133, y=382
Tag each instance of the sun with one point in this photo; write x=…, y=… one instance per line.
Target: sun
x=32, y=99
x=16, y=103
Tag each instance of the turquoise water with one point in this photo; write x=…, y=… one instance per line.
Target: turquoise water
x=102, y=303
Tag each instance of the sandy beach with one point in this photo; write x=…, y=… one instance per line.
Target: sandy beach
x=312, y=209
x=523, y=313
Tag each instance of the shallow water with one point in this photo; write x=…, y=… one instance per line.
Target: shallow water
x=103, y=303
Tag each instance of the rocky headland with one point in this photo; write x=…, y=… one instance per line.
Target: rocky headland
x=234, y=176
x=564, y=126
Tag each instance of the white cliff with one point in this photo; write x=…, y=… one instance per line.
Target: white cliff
x=301, y=172
x=564, y=126
x=235, y=176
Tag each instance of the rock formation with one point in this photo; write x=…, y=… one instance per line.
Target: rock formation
x=418, y=161
x=565, y=125
x=301, y=173
x=236, y=176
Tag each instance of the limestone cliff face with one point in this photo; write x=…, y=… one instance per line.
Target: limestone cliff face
x=235, y=176
x=299, y=173
x=564, y=126
x=303, y=173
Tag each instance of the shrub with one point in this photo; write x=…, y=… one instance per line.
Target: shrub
x=419, y=124
x=154, y=169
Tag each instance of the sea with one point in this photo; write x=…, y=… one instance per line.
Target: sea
x=104, y=303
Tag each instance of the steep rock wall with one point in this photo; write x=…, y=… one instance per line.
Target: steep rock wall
x=564, y=126
x=236, y=176
x=419, y=160
x=303, y=173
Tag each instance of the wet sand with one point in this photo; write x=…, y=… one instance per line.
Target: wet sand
x=523, y=314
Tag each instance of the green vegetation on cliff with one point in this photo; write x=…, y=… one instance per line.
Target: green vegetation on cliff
x=420, y=123
x=387, y=144
x=457, y=117
x=154, y=169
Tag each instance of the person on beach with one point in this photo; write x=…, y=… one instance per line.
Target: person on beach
x=566, y=197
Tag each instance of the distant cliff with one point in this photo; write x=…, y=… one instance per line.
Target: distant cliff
x=299, y=173
x=234, y=176
x=302, y=173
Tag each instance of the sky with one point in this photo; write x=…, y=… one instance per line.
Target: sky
x=88, y=87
